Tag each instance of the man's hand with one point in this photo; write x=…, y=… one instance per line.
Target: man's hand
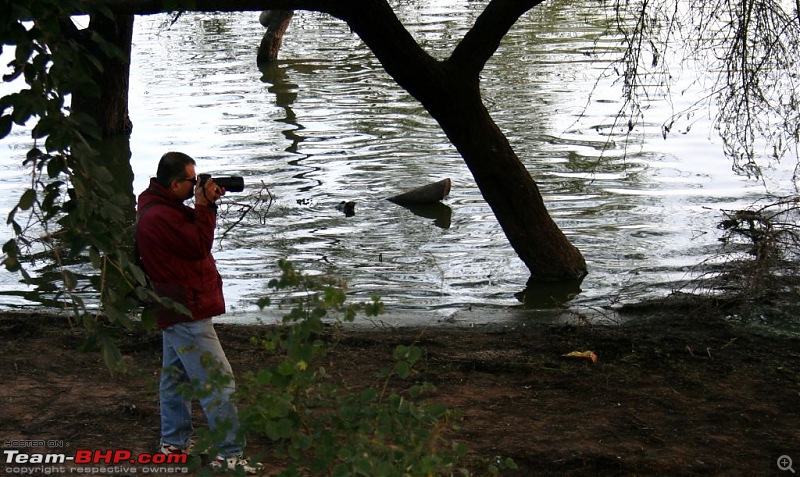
x=208, y=193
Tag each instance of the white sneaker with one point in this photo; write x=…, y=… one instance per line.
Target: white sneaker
x=169, y=449
x=235, y=462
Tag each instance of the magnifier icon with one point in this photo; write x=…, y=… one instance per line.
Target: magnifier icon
x=785, y=463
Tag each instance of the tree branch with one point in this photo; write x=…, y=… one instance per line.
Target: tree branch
x=483, y=39
x=376, y=23
x=373, y=20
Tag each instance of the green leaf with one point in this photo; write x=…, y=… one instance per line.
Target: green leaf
x=11, y=247
x=148, y=319
x=369, y=395
x=111, y=354
x=101, y=174
x=403, y=369
x=94, y=256
x=23, y=53
x=510, y=464
x=55, y=166
x=264, y=377
x=375, y=308
x=27, y=199
x=280, y=429
x=121, y=200
x=400, y=352
x=138, y=275
x=116, y=316
x=5, y=125
x=286, y=369
x=11, y=263
x=70, y=280
x=414, y=353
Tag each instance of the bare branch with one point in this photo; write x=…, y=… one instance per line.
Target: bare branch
x=747, y=50
x=257, y=203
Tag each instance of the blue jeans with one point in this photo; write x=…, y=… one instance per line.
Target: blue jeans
x=192, y=354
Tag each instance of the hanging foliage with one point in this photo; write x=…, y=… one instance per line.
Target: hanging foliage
x=72, y=222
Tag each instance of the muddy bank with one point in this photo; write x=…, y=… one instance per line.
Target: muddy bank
x=676, y=395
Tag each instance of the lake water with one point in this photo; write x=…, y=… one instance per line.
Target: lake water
x=327, y=124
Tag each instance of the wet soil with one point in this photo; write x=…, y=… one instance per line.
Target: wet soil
x=670, y=393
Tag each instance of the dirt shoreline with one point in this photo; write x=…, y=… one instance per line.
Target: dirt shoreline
x=675, y=394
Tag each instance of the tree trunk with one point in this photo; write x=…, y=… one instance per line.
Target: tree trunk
x=505, y=184
x=276, y=22
x=109, y=105
x=450, y=91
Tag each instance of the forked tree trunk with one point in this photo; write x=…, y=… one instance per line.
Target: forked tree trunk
x=450, y=91
x=452, y=96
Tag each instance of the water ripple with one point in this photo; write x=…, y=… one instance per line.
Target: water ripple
x=327, y=124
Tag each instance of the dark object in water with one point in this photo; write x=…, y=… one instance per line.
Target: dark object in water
x=349, y=208
x=427, y=194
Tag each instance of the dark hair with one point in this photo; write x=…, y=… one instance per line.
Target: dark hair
x=172, y=166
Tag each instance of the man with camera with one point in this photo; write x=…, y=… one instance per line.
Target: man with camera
x=174, y=242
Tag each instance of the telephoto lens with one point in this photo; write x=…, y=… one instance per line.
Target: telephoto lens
x=229, y=183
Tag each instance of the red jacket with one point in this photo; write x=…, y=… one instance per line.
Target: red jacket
x=174, y=243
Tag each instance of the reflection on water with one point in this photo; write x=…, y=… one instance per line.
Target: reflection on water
x=441, y=214
x=549, y=295
x=326, y=125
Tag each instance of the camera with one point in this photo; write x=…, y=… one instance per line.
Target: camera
x=229, y=183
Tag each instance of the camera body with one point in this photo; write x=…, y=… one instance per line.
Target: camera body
x=229, y=183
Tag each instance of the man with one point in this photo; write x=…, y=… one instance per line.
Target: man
x=174, y=242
